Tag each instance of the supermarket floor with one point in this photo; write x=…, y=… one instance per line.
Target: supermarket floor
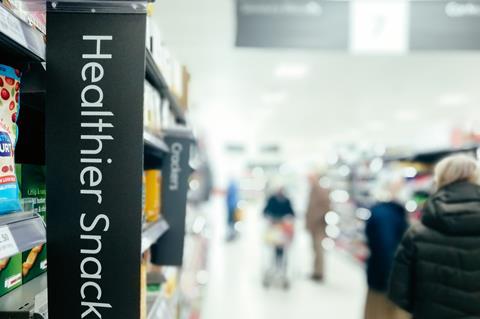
x=235, y=290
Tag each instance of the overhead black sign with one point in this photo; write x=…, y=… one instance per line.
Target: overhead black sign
x=293, y=24
x=445, y=25
x=96, y=72
x=175, y=174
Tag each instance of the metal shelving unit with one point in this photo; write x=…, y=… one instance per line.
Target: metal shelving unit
x=27, y=231
x=22, y=299
x=152, y=233
x=160, y=309
x=155, y=77
x=19, y=38
x=155, y=142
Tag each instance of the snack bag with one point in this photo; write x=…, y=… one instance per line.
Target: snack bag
x=9, y=107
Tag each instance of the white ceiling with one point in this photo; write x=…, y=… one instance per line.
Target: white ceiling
x=396, y=100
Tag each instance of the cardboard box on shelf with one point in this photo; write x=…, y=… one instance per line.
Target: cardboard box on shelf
x=10, y=273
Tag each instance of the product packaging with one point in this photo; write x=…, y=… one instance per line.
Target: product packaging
x=143, y=289
x=151, y=111
x=34, y=263
x=32, y=184
x=152, y=194
x=143, y=198
x=31, y=179
x=9, y=107
x=10, y=273
x=32, y=12
x=148, y=117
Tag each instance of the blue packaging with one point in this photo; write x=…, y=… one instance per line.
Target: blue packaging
x=9, y=108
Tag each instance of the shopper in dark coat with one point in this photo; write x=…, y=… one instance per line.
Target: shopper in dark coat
x=384, y=231
x=278, y=206
x=436, y=273
x=277, y=209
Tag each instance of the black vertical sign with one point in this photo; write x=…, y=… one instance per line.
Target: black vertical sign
x=96, y=71
x=175, y=174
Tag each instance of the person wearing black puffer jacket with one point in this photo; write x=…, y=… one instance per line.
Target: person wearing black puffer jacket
x=436, y=271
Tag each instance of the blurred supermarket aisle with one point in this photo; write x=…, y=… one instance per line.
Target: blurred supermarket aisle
x=235, y=289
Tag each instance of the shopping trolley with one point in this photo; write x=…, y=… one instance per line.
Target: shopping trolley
x=278, y=239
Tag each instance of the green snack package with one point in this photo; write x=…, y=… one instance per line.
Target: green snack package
x=34, y=263
x=10, y=273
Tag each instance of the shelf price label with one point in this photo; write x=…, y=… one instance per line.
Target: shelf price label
x=8, y=247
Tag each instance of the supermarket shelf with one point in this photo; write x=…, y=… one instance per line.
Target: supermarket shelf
x=19, y=39
x=431, y=157
x=152, y=233
x=155, y=142
x=23, y=298
x=159, y=309
x=28, y=230
x=155, y=77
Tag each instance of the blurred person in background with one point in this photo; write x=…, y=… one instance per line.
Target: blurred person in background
x=384, y=231
x=232, y=199
x=318, y=206
x=277, y=210
x=278, y=206
x=436, y=272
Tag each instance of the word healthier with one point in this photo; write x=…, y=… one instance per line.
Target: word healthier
x=94, y=118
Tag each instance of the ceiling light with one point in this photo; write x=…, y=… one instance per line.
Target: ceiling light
x=291, y=71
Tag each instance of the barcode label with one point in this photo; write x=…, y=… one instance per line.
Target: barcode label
x=12, y=27
x=8, y=247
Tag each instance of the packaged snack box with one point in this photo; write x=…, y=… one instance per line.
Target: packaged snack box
x=34, y=263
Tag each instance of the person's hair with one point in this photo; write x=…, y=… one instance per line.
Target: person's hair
x=456, y=168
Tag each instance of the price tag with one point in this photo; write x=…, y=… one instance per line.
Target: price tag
x=8, y=247
x=12, y=27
